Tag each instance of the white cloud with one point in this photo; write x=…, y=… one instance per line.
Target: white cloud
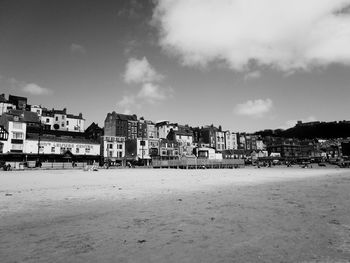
x=35, y=89
x=140, y=71
x=283, y=34
x=77, y=49
x=252, y=75
x=153, y=93
x=254, y=108
x=126, y=104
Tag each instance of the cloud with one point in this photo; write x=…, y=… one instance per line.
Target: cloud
x=254, y=108
x=252, y=75
x=291, y=123
x=77, y=49
x=140, y=71
x=153, y=93
x=131, y=9
x=126, y=103
x=148, y=88
x=282, y=34
x=35, y=89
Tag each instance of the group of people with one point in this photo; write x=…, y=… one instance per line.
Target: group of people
x=7, y=167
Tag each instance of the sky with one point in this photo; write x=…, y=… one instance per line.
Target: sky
x=246, y=65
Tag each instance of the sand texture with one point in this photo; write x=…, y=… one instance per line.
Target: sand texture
x=149, y=215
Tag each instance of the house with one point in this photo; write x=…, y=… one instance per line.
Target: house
x=113, y=148
x=5, y=105
x=219, y=141
x=169, y=149
x=121, y=125
x=164, y=127
x=14, y=127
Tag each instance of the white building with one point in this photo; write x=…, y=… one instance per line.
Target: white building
x=143, y=152
x=15, y=127
x=60, y=120
x=113, y=148
x=219, y=141
x=164, y=127
x=55, y=146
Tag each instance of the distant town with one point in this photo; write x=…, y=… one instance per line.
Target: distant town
x=32, y=135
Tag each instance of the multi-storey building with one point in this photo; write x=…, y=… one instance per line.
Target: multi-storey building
x=121, y=125
x=19, y=102
x=14, y=124
x=208, y=136
x=59, y=120
x=5, y=105
x=169, y=149
x=184, y=137
x=164, y=127
x=113, y=148
x=219, y=141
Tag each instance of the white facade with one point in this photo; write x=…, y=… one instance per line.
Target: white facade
x=47, y=120
x=113, y=147
x=143, y=149
x=260, y=145
x=163, y=130
x=5, y=107
x=54, y=147
x=37, y=109
x=234, y=141
x=16, y=137
x=75, y=124
x=151, y=131
x=219, y=141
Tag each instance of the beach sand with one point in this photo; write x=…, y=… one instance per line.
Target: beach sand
x=161, y=215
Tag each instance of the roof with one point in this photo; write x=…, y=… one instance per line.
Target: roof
x=185, y=133
x=122, y=117
x=48, y=138
x=71, y=116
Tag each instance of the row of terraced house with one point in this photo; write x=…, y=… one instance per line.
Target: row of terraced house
x=32, y=132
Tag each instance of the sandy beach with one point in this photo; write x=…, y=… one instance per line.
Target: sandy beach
x=150, y=215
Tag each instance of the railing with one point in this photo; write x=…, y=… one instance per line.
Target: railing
x=47, y=165
x=198, y=163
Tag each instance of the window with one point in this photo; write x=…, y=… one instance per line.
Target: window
x=87, y=150
x=67, y=122
x=120, y=146
x=47, y=120
x=53, y=149
x=56, y=118
x=17, y=125
x=62, y=124
x=17, y=147
x=110, y=146
x=17, y=135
